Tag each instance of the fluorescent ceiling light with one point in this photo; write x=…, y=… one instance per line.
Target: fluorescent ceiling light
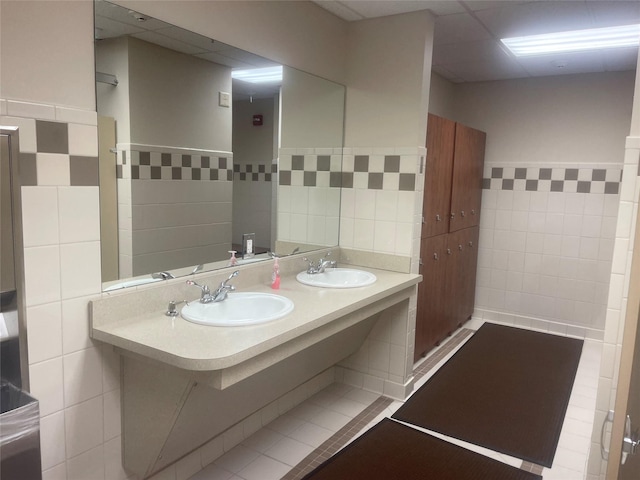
x=574, y=41
x=259, y=75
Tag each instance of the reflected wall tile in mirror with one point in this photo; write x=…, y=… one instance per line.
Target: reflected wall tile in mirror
x=311, y=122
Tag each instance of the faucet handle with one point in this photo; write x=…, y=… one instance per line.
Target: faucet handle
x=204, y=288
x=234, y=274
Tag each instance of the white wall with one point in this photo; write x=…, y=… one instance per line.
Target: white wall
x=562, y=119
x=56, y=70
x=283, y=31
x=312, y=111
x=388, y=81
x=254, y=146
x=174, y=99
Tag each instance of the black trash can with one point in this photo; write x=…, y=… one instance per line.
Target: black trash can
x=19, y=435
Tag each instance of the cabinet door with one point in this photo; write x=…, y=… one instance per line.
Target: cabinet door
x=437, y=179
x=470, y=268
x=466, y=189
x=462, y=252
x=431, y=319
x=455, y=285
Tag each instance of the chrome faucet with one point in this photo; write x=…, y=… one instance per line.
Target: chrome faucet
x=313, y=268
x=162, y=275
x=221, y=292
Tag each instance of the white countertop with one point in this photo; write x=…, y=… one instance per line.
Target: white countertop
x=190, y=346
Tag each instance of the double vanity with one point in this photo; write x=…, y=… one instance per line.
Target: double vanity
x=184, y=381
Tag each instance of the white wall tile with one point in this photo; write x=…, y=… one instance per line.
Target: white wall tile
x=386, y=205
x=363, y=234
x=88, y=465
x=84, y=427
x=83, y=140
x=52, y=440
x=39, y=216
x=365, y=204
x=26, y=130
x=59, y=472
x=53, y=169
x=82, y=375
x=44, y=329
x=73, y=115
x=384, y=237
x=75, y=325
x=42, y=275
x=80, y=265
x=79, y=214
x=45, y=380
x=30, y=110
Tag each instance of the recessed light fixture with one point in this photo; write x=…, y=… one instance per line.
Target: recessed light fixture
x=574, y=41
x=259, y=75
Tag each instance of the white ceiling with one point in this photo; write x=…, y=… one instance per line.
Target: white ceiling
x=467, y=33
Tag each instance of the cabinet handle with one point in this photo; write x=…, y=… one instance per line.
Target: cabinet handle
x=460, y=247
x=448, y=251
x=462, y=213
x=452, y=215
x=438, y=218
x=471, y=244
x=435, y=256
x=473, y=212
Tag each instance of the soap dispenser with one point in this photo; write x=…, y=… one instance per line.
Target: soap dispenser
x=275, y=275
x=233, y=261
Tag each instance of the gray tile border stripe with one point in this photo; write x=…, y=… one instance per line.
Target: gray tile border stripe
x=533, y=179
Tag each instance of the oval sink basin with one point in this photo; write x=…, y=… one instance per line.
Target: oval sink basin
x=242, y=308
x=337, y=278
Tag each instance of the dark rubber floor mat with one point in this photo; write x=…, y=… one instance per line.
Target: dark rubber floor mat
x=392, y=451
x=506, y=389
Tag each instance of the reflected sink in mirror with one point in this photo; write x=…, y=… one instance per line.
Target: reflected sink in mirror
x=337, y=278
x=238, y=309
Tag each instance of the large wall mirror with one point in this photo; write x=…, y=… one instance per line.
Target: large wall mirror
x=201, y=145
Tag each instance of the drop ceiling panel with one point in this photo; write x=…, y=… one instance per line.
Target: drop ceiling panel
x=583, y=62
x=467, y=52
x=184, y=36
x=458, y=28
x=611, y=14
x=535, y=18
x=621, y=60
x=376, y=8
x=108, y=28
x=171, y=43
x=500, y=68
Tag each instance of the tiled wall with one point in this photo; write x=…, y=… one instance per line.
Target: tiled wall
x=75, y=379
x=381, y=212
x=309, y=183
x=616, y=301
x=254, y=187
x=381, y=200
x=546, y=243
x=165, y=192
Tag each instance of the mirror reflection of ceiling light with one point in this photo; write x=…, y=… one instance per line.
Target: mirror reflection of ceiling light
x=574, y=41
x=259, y=75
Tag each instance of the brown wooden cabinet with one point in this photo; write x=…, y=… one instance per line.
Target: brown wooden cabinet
x=449, y=244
